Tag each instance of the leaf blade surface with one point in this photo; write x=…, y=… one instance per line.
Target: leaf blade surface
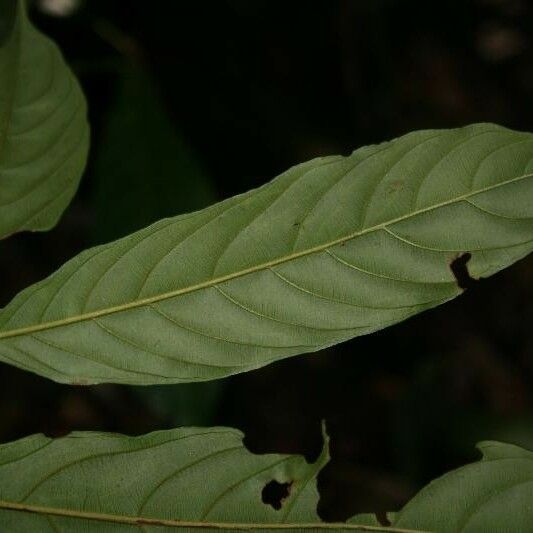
x=183, y=479
x=44, y=135
x=331, y=249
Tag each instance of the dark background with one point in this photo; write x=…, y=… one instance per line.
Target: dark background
x=193, y=101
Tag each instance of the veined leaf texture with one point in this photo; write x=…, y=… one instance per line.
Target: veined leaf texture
x=331, y=249
x=189, y=474
x=192, y=479
x=44, y=135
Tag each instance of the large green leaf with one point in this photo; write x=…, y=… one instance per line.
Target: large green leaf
x=44, y=136
x=331, y=249
x=137, y=124
x=204, y=476
x=492, y=495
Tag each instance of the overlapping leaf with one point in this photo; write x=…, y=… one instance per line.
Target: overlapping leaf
x=43, y=127
x=331, y=249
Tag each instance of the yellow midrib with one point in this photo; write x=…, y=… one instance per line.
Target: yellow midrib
x=263, y=266
x=140, y=521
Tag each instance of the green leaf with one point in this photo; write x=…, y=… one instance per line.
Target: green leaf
x=44, y=136
x=331, y=249
x=492, y=495
x=203, y=476
x=138, y=125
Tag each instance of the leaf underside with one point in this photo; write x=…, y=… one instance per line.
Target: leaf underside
x=333, y=248
x=44, y=135
x=191, y=474
x=490, y=496
x=204, y=478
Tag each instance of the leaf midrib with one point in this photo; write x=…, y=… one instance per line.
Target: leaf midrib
x=233, y=275
x=140, y=521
